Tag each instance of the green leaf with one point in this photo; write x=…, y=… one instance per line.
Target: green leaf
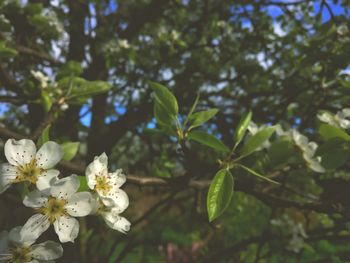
x=44, y=137
x=166, y=98
x=83, y=184
x=251, y=171
x=70, y=69
x=46, y=101
x=257, y=140
x=162, y=115
x=70, y=149
x=192, y=108
x=79, y=88
x=242, y=127
x=201, y=117
x=219, y=194
x=208, y=140
x=328, y=132
x=90, y=88
x=334, y=153
x=6, y=52
x=281, y=150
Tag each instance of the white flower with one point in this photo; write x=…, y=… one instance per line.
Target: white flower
x=64, y=107
x=308, y=150
x=340, y=119
x=314, y=163
x=123, y=43
x=25, y=164
x=111, y=215
x=43, y=79
x=107, y=185
x=58, y=206
x=254, y=129
x=14, y=247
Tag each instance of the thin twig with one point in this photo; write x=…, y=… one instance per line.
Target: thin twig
x=48, y=120
x=38, y=54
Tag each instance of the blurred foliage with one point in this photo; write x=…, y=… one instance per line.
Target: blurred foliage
x=161, y=87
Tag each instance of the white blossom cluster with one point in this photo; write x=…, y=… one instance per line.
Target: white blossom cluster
x=41, y=77
x=307, y=148
x=294, y=229
x=114, y=46
x=254, y=129
x=56, y=201
x=341, y=119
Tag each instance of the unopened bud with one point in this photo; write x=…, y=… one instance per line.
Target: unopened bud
x=64, y=107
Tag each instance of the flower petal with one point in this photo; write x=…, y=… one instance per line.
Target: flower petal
x=35, y=199
x=116, y=197
x=79, y=204
x=48, y=250
x=16, y=237
x=19, y=152
x=299, y=139
x=67, y=228
x=8, y=173
x=47, y=178
x=49, y=155
x=65, y=187
x=97, y=167
x=35, y=226
x=117, y=178
x=117, y=222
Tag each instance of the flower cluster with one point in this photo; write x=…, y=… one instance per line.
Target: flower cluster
x=308, y=150
x=254, y=129
x=43, y=79
x=110, y=199
x=294, y=229
x=340, y=119
x=56, y=201
x=15, y=247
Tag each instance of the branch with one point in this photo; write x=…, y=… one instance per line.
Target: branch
x=38, y=54
x=13, y=100
x=48, y=120
x=6, y=133
x=285, y=3
x=269, y=200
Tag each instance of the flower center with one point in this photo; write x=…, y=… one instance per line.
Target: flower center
x=20, y=254
x=28, y=172
x=102, y=185
x=54, y=209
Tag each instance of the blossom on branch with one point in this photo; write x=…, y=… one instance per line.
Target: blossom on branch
x=25, y=164
x=57, y=206
x=110, y=199
x=341, y=119
x=308, y=150
x=111, y=215
x=15, y=247
x=106, y=185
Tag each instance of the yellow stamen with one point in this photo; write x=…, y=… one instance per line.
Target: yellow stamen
x=102, y=185
x=28, y=172
x=54, y=209
x=20, y=254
